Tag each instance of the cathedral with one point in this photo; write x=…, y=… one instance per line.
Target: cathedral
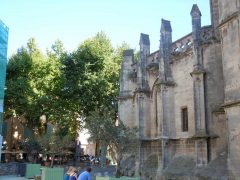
x=185, y=99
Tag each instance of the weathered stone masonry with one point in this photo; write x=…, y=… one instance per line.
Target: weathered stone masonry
x=185, y=98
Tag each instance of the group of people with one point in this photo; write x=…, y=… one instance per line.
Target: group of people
x=94, y=160
x=72, y=174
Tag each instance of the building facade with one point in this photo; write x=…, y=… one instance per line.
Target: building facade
x=184, y=98
x=3, y=64
x=229, y=27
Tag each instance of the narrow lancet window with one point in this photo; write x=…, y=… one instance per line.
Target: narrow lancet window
x=184, y=119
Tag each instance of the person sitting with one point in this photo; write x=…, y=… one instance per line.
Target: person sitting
x=86, y=174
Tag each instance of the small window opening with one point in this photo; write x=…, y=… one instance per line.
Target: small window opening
x=184, y=119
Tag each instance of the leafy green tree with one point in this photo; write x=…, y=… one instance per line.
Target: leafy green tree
x=119, y=139
x=92, y=80
x=19, y=91
x=54, y=145
x=34, y=84
x=91, y=59
x=64, y=87
x=31, y=146
x=18, y=87
x=92, y=74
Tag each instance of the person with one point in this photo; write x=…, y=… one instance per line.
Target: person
x=67, y=174
x=86, y=174
x=92, y=160
x=71, y=174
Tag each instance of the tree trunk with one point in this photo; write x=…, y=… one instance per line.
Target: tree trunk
x=52, y=161
x=118, y=170
x=103, y=155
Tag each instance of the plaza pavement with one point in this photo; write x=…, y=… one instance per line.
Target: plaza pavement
x=12, y=178
x=106, y=171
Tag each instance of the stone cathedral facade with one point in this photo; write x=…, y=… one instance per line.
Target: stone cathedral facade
x=185, y=99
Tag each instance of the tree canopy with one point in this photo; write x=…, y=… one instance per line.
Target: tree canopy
x=119, y=139
x=64, y=87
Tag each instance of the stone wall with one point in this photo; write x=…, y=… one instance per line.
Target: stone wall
x=150, y=159
x=230, y=38
x=199, y=72
x=214, y=81
x=127, y=112
x=227, y=8
x=183, y=94
x=218, y=144
x=155, y=114
x=182, y=147
x=230, y=35
x=233, y=114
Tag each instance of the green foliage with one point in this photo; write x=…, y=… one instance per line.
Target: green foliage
x=30, y=145
x=120, y=139
x=64, y=87
x=33, y=84
x=48, y=145
x=92, y=75
x=70, y=90
x=84, y=70
x=54, y=144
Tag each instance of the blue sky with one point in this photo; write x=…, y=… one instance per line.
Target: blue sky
x=73, y=21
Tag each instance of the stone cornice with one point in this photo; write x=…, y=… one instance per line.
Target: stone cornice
x=232, y=103
x=153, y=65
x=158, y=138
x=218, y=110
x=196, y=136
x=150, y=138
x=204, y=136
x=125, y=97
x=229, y=18
x=167, y=83
x=198, y=70
x=142, y=90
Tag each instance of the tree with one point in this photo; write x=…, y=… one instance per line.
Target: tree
x=64, y=87
x=31, y=146
x=120, y=140
x=54, y=145
x=91, y=81
x=35, y=87
x=18, y=87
